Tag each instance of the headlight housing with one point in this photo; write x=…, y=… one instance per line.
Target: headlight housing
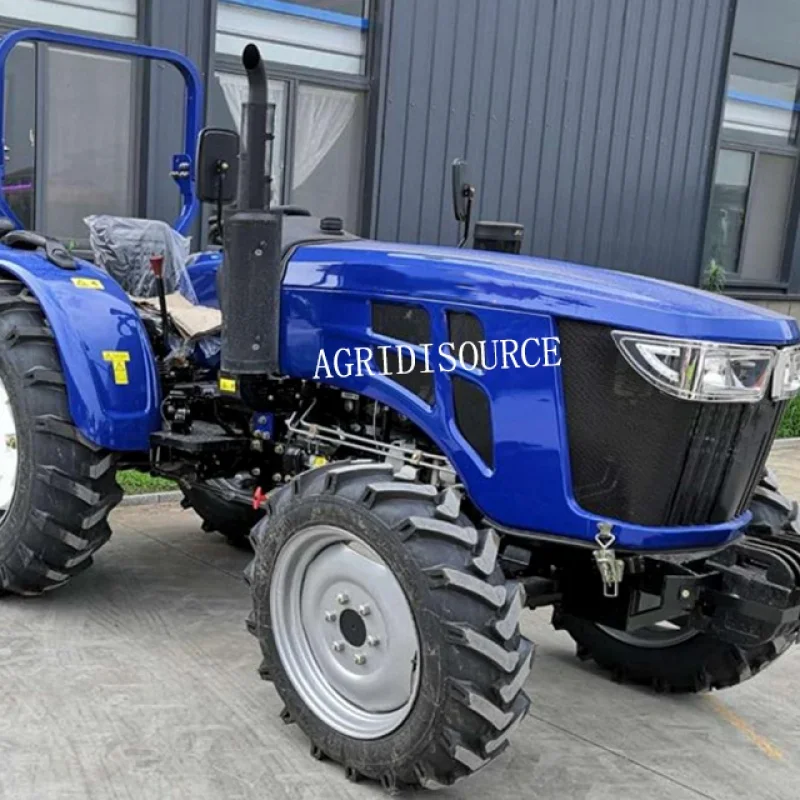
x=707, y=372
x=786, y=383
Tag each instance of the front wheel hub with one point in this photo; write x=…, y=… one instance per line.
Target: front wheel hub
x=345, y=632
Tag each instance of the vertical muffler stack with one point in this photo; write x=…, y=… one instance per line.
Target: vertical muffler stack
x=251, y=280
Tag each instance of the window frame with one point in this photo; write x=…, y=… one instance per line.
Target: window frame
x=734, y=278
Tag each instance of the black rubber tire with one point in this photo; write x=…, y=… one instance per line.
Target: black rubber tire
x=703, y=662
x=225, y=507
x=474, y=660
x=66, y=486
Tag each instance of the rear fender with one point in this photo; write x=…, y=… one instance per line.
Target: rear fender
x=108, y=363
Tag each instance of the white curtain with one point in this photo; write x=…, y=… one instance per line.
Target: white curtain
x=322, y=117
x=234, y=89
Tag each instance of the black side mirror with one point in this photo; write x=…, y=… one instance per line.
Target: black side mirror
x=463, y=195
x=217, y=166
x=460, y=189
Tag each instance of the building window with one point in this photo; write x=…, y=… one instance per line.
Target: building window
x=762, y=100
x=316, y=35
x=228, y=93
x=328, y=152
x=755, y=173
x=88, y=164
x=75, y=157
x=326, y=145
x=728, y=207
x=20, y=132
x=109, y=17
x=353, y=8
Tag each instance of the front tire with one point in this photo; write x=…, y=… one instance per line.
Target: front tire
x=684, y=660
x=55, y=508
x=455, y=663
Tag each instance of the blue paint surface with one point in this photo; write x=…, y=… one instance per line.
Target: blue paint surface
x=202, y=269
x=326, y=306
x=85, y=323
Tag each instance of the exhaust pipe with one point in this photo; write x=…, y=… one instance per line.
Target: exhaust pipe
x=250, y=286
x=254, y=125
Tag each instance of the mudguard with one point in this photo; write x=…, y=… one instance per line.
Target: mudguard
x=109, y=367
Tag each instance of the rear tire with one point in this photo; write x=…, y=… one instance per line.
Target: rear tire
x=471, y=662
x=65, y=486
x=225, y=506
x=701, y=662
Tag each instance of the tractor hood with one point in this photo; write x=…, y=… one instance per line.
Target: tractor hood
x=537, y=285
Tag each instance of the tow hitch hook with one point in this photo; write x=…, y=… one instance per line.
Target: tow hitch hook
x=611, y=568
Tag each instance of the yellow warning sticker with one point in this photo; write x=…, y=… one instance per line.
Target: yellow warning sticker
x=119, y=360
x=227, y=385
x=87, y=283
x=318, y=461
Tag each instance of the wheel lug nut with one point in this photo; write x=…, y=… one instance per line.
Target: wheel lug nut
x=330, y=616
x=373, y=641
x=342, y=599
x=360, y=659
x=338, y=647
x=364, y=610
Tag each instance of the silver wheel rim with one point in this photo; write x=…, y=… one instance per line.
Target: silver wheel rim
x=345, y=632
x=654, y=637
x=9, y=456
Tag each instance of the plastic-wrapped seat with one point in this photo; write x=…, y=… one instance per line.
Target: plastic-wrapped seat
x=123, y=247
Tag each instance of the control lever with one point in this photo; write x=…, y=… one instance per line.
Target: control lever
x=157, y=266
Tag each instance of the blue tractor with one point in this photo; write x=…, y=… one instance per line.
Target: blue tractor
x=430, y=440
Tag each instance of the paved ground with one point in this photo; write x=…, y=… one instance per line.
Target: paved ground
x=138, y=681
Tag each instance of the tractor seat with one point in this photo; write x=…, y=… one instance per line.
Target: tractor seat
x=124, y=246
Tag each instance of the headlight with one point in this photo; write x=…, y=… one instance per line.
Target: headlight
x=708, y=372
x=786, y=383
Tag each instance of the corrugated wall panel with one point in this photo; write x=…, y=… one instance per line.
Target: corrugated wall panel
x=593, y=124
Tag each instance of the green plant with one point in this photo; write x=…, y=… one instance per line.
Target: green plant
x=790, y=426
x=134, y=482
x=715, y=277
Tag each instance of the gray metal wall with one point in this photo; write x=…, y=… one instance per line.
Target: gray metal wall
x=592, y=122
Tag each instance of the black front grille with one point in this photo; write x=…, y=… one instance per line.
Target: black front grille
x=644, y=457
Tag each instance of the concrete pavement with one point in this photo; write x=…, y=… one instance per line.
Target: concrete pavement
x=138, y=680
